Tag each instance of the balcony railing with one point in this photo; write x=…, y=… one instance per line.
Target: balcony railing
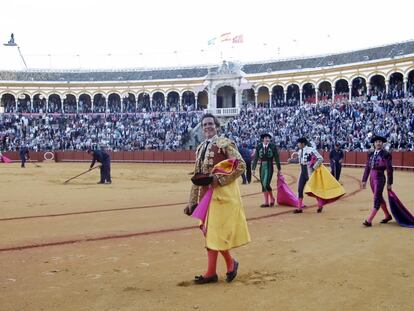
x=223, y=112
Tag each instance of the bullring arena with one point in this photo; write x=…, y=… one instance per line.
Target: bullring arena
x=128, y=246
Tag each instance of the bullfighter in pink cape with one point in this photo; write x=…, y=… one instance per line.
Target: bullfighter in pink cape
x=266, y=154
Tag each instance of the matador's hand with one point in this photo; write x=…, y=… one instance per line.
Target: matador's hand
x=215, y=182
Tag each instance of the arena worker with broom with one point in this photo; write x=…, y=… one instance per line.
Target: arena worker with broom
x=102, y=157
x=216, y=201
x=24, y=155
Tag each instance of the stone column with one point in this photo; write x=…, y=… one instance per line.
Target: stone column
x=270, y=99
x=405, y=87
x=237, y=99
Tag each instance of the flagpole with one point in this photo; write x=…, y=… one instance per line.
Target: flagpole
x=21, y=55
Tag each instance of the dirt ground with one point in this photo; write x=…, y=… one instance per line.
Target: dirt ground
x=128, y=246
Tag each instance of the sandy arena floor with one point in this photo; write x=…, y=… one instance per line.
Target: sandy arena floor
x=128, y=246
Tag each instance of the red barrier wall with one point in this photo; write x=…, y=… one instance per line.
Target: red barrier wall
x=403, y=160
x=34, y=156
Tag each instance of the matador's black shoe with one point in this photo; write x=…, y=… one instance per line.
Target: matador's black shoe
x=202, y=280
x=367, y=224
x=265, y=205
x=232, y=274
x=298, y=211
x=386, y=220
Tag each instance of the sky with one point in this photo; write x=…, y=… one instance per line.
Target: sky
x=92, y=34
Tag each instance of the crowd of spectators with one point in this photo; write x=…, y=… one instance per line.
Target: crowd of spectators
x=145, y=131
x=349, y=123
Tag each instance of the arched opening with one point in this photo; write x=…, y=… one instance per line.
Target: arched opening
x=263, y=99
x=129, y=103
x=99, y=103
x=396, y=86
x=202, y=100
x=158, y=101
x=377, y=87
x=85, y=104
x=39, y=103
x=188, y=100
x=144, y=102
x=23, y=103
x=278, y=96
x=54, y=104
x=8, y=103
x=341, y=90
x=292, y=96
x=309, y=93
x=325, y=91
x=69, y=103
x=359, y=87
x=226, y=97
x=114, y=103
x=248, y=98
x=410, y=83
x=173, y=101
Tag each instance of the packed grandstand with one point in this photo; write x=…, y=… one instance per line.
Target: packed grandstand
x=345, y=98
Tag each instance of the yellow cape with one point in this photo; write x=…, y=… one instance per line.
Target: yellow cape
x=226, y=221
x=323, y=185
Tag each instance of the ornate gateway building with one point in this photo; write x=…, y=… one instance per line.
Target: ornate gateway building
x=223, y=90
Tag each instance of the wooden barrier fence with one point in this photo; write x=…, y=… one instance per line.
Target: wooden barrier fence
x=401, y=160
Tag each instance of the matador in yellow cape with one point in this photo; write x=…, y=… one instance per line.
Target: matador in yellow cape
x=219, y=164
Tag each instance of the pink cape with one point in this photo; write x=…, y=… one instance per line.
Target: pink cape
x=285, y=196
x=5, y=159
x=401, y=214
x=201, y=210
